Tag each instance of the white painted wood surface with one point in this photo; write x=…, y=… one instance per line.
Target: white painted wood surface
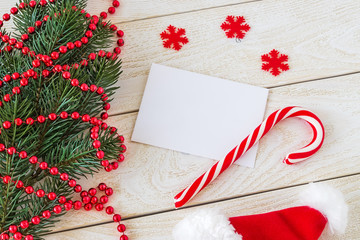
x=159, y=226
x=322, y=41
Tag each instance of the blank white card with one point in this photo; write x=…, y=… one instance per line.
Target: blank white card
x=198, y=114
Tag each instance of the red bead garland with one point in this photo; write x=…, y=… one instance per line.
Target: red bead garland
x=47, y=60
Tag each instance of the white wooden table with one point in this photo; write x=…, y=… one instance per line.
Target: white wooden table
x=322, y=39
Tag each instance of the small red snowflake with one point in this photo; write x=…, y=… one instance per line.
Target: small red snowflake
x=235, y=27
x=274, y=62
x=174, y=37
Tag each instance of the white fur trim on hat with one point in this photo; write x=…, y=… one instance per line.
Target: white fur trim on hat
x=207, y=224
x=330, y=202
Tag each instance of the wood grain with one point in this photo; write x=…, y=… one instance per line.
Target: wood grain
x=320, y=37
x=159, y=226
x=147, y=181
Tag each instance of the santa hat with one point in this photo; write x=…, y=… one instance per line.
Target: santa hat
x=322, y=205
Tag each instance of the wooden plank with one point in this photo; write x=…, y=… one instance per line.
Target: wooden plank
x=159, y=226
x=140, y=9
x=147, y=181
x=319, y=37
x=134, y=10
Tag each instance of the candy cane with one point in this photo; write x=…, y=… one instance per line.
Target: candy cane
x=318, y=138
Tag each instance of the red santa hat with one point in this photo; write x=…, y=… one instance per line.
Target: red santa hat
x=322, y=207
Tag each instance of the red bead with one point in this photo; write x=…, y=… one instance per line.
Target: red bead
x=108, y=55
x=111, y=10
x=67, y=206
x=114, y=165
x=116, y=3
x=24, y=224
x=6, y=179
x=6, y=124
x=64, y=176
x=36, y=63
x=4, y=236
x=6, y=99
x=45, y=73
x=122, y=139
x=19, y=45
x=66, y=75
x=123, y=148
x=40, y=193
x=99, y=207
x=92, y=27
x=75, y=115
x=11, y=150
x=63, y=115
x=77, y=205
x=22, y=154
x=43, y=165
x=121, y=228
x=33, y=159
x=12, y=228
x=92, y=56
x=55, y=55
x=35, y=220
x=5, y=38
x=84, y=87
x=84, y=40
x=100, y=154
x=52, y=116
x=102, y=186
x=17, y=236
x=22, y=5
x=24, y=82
x=29, y=237
x=52, y=196
x=7, y=78
x=62, y=200
x=85, y=118
x=104, y=116
x=113, y=27
x=38, y=24
x=104, y=163
x=117, y=218
x=8, y=48
x=29, y=121
x=104, y=199
x=31, y=30
x=109, y=210
x=109, y=191
x=117, y=50
x=58, y=68
x=96, y=144
x=54, y=171
x=70, y=45
x=57, y=209
x=92, y=191
x=43, y=2
x=124, y=237
x=24, y=37
x=29, y=189
x=6, y=17
x=63, y=49
x=77, y=188
x=103, y=15
x=89, y=34
x=14, y=10
x=41, y=119
x=94, y=200
x=86, y=199
x=19, y=184
x=46, y=214
x=75, y=82
x=100, y=90
x=84, y=194
x=120, y=42
x=78, y=44
x=12, y=41
x=18, y=121
x=32, y=3
x=88, y=207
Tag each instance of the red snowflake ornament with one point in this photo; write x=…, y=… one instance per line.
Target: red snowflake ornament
x=174, y=37
x=235, y=27
x=274, y=62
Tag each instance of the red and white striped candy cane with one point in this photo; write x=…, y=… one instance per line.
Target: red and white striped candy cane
x=318, y=138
